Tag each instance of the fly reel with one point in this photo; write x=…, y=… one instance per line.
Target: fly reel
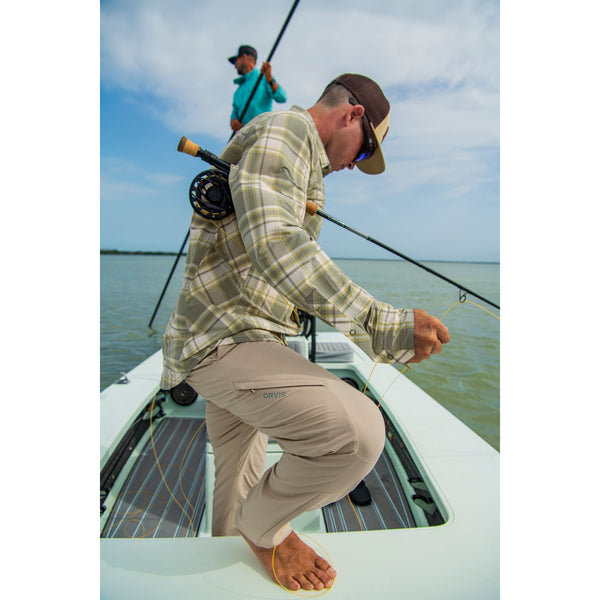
x=210, y=196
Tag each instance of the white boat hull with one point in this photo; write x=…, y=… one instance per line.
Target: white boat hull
x=457, y=560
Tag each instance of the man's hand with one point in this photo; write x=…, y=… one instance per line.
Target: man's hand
x=266, y=71
x=236, y=125
x=430, y=334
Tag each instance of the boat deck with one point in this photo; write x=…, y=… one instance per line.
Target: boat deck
x=164, y=494
x=155, y=514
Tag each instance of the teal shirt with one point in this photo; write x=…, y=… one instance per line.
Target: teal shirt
x=262, y=101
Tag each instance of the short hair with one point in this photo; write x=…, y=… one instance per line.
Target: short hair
x=334, y=95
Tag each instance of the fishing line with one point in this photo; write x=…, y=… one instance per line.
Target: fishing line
x=462, y=300
x=128, y=517
x=210, y=197
x=179, y=481
x=191, y=519
x=355, y=513
x=191, y=525
x=312, y=595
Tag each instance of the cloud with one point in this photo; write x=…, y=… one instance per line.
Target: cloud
x=125, y=181
x=177, y=51
x=437, y=61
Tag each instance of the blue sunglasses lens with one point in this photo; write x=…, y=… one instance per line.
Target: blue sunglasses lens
x=363, y=156
x=368, y=147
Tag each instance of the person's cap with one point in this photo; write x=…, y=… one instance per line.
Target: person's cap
x=377, y=110
x=243, y=50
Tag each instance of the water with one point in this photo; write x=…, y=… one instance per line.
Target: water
x=464, y=378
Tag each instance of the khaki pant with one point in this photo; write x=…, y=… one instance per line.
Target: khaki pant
x=330, y=433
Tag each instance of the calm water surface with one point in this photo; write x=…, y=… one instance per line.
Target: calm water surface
x=464, y=378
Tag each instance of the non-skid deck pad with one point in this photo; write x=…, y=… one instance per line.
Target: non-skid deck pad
x=164, y=495
x=388, y=509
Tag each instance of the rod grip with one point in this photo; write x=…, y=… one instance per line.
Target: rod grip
x=311, y=208
x=188, y=147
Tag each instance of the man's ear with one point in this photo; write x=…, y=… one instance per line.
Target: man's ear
x=349, y=115
x=357, y=111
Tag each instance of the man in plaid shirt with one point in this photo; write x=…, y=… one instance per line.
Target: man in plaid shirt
x=243, y=280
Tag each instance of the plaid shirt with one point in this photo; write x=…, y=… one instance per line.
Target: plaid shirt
x=245, y=274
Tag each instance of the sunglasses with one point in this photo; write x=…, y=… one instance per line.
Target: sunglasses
x=368, y=146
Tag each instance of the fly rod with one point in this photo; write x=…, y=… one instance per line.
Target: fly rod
x=210, y=197
x=312, y=209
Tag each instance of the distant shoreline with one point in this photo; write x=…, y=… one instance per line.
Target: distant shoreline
x=159, y=253
x=141, y=252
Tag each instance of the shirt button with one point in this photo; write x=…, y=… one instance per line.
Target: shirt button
x=352, y=332
x=390, y=355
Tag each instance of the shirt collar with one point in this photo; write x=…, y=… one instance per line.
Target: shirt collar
x=239, y=80
x=323, y=159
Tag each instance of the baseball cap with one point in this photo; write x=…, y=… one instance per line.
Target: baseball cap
x=377, y=110
x=243, y=50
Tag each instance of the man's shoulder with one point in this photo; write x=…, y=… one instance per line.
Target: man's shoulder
x=294, y=128
x=294, y=119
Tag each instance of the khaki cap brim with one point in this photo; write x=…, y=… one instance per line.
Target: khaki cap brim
x=376, y=163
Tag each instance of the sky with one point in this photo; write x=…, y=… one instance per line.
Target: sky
x=65, y=169
x=164, y=74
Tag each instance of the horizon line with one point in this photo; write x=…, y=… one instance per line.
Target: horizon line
x=171, y=253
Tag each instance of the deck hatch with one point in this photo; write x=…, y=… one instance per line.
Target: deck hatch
x=149, y=508
x=328, y=352
x=388, y=509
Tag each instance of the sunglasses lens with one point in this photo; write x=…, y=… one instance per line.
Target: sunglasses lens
x=368, y=146
x=363, y=156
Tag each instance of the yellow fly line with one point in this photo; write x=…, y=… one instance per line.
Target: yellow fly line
x=376, y=362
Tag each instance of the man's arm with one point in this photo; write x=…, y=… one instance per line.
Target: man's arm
x=269, y=187
x=234, y=121
x=277, y=91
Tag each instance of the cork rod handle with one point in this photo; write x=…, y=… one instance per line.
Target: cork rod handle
x=311, y=208
x=188, y=147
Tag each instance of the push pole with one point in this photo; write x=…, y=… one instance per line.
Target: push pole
x=169, y=278
x=287, y=20
x=269, y=59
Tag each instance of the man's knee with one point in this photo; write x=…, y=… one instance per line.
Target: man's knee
x=359, y=430
x=370, y=432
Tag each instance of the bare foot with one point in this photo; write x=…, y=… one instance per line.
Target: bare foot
x=296, y=564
